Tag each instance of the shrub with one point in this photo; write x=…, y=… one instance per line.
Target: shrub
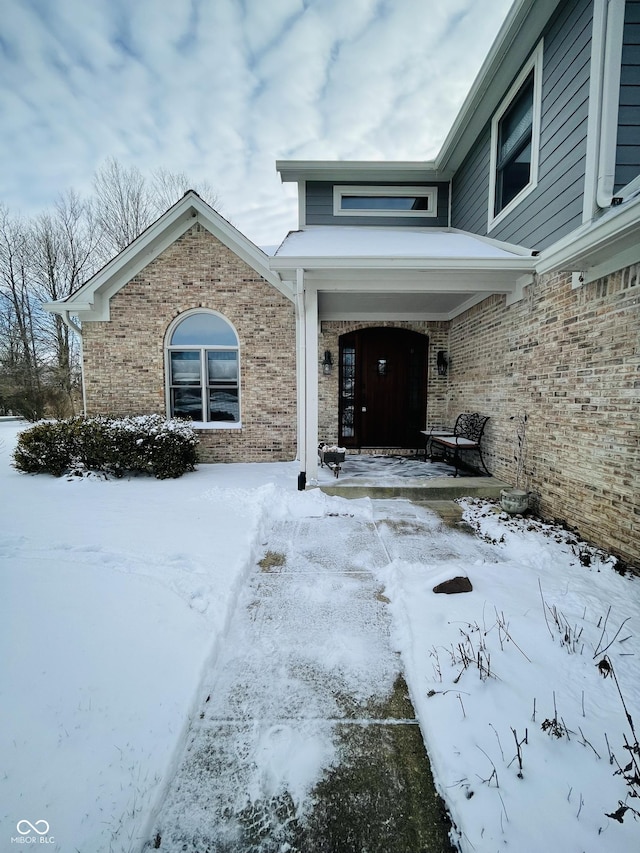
x=148, y=444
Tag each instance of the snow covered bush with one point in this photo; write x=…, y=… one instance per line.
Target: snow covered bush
x=117, y=446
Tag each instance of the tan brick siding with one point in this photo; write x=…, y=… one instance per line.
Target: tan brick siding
x=570, y=360
x=124, y=358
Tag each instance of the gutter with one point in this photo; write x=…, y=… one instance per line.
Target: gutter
x=607, y=240
x=66, y=316
x=609, y=75
x=301, y=371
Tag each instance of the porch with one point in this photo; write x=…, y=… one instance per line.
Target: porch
x=373, y=309
x=411, y=478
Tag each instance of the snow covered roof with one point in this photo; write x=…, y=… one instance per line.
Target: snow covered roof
x=368, y=273
x=353, y=242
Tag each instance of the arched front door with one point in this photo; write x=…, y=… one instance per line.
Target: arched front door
x=383, y=387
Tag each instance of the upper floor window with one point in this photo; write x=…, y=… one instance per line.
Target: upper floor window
x=203, y=382
x=515, y=131
x=384, y=201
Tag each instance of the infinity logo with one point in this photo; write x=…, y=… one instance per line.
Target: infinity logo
x=32, y=827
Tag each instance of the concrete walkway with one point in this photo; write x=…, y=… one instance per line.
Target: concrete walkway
x=305, y=739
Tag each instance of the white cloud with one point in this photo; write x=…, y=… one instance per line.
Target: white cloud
x=219, y=90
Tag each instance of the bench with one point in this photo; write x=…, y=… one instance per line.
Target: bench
x=465, y=436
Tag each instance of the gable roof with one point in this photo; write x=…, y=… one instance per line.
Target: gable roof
x=91, y=301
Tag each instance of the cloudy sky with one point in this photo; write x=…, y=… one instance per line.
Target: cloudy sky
x=220, y=89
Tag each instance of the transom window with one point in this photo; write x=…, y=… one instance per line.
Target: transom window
x=515, y=131
x=203, y=369
x=384, y=201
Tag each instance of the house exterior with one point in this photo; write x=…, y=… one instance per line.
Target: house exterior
x=189, y=321
x=501, y=277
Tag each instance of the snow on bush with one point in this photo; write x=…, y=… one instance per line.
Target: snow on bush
x=147, y=443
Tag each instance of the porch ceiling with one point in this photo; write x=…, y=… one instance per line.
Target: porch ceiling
x=349, y=305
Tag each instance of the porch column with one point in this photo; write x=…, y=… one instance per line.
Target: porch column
x=311, y=382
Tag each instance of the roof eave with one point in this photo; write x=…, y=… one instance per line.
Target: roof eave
x=598, y=248
x=520, y=32
x=360, y=170
x=91, y=300
x=289, y=262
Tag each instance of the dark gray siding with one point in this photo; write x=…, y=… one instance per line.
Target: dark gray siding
x=554, y=208
x=319, y=202
x=628, y=148
x=470, y=187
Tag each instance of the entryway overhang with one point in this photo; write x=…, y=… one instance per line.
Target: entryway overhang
x=402, y=273
x=380, y=273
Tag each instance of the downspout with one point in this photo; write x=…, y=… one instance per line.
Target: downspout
x=66, y=316
x=610, y=98
x=301, y=372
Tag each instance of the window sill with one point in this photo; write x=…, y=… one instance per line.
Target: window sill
x=210, y=425
x=513, y=204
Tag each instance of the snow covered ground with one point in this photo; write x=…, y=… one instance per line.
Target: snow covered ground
x=517, y=700
x=116, y=596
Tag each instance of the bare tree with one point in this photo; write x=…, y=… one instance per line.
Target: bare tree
x=63, y=254
x=122, y=204
x=125, y=202
x=47, y=259
x=168, y=187
x=20, y=379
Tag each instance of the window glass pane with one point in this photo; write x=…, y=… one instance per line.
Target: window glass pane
x=515, y=131
x=222, y=367
x=186, y=403
x=185, y=368
x=223, y=405
x=204, y=330
x=391, y=203
x=516, y=122
x=348, y=390
x=514, y=177
x=347, y=422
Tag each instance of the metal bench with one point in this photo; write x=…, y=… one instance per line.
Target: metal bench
x=465, y=436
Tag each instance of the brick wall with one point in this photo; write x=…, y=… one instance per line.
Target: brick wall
x=330, y=332
x=124, y=358
x=570, y=360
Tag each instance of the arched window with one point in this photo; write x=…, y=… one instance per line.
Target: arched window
x=203, y=369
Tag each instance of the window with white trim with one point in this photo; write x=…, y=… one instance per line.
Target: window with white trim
x=203, y=369
x=515, y=136
x=385, y=201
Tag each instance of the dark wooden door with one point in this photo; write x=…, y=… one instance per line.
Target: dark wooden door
x=383, y=382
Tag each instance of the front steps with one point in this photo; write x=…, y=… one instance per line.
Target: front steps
x=429, y=489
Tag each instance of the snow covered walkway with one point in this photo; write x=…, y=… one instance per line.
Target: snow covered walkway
x=308, y=687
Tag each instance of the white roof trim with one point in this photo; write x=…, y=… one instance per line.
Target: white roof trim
x=516, y=39
x=360, y=170
x=91, y=301
x=520, y=264
x=603, y=246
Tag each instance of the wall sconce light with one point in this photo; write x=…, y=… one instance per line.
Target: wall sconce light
x=327, y=363
x=442, y=362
